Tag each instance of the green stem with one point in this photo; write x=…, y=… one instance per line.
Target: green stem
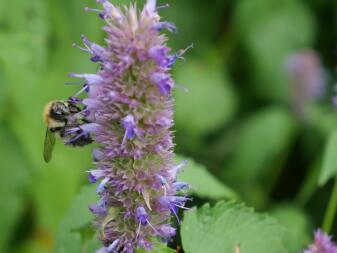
x=331, y=210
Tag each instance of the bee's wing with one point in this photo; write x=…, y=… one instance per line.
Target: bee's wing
x=49, y=142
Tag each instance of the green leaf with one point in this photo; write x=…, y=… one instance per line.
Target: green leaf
x=309, y=185
x=13, y=184
x=329, y=167
x=268, y=33
x=322, y=118
x=297, y=224
x=262, y=139
x=261, y=149
x=202, y=182
x=159, y=248
x=75, y=234
x=226, y=225
x=210, y=102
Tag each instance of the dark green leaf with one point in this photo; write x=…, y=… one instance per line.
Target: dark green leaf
x=297, y=224
x=75, y=234
x=329, y=167
x=210, y=102
x=268, y=33
x=262, y=139
x=159, y=248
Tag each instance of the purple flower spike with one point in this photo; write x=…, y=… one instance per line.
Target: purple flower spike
x=128, y=112
x=322, y=244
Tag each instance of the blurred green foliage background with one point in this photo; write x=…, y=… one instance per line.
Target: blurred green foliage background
x=237, y=120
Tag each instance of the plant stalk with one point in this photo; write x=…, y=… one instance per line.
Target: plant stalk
x=331, y=210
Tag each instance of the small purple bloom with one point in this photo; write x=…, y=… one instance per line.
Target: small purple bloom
x=129, y=125
x=97, y=209
x=322, y=244
x=142, y=215
x=95, y=175
x=307, y=79
x=171, y=59
x=173, y=203
x=101, y=186
x=166, y=231
x=92, y=179
x=159, y=54
x=180, y=185
x=97, y=155
x=163, y=81
x=91, y=79
x=91, y=103
x=112, y=246
x=165, y=25
x=176, y=169
x=162, y=180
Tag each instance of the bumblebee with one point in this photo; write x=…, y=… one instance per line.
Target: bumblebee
x=62, y=118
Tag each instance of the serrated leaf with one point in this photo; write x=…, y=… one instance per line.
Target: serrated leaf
x=226, y=225
x=203, y=183
x=297, y=224
x=75, y=235
x=329, y=167
x=210, y=102
x=159, y=248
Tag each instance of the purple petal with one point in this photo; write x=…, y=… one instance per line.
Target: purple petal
x=163, y=81
x=101, y=186
x=165, y=25
x=166, y=231
x=91, y=79
x=142, y=215
x=150, y=6
x=159, y=54
x=95, y=175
